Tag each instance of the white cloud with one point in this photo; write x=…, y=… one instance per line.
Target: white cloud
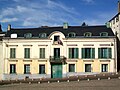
x=9, y=20
x=45, y=12
x=88, y=1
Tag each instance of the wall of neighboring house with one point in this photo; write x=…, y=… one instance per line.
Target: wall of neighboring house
x=48, y=44
x=1, y=60
x=115, y=26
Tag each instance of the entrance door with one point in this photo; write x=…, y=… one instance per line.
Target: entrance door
x=56, y=53
x=56, y=71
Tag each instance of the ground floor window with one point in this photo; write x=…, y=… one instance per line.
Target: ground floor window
x=87, y=67
x=12, y=68
x=41, y=69
x=27, y=69
x=104, y=67
x=71, y=67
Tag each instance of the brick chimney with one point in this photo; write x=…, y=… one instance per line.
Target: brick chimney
x=119, y=6
x=9, y=27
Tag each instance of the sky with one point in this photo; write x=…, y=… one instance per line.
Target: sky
x=37, y=13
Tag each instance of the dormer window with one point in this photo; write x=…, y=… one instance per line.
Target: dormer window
x=42, y=35
x=88, y=34
x=103, y=34
x=71, y=34
x=28, y=35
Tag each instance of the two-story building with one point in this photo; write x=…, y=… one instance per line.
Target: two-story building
x=56, y=52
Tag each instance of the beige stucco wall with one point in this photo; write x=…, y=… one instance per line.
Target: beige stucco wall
x=35, y=44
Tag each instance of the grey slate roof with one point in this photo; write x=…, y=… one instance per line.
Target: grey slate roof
x=114, y=17
x=79, y=30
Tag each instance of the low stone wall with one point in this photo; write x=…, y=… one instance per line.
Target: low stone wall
x=80, y=73
x=24, y=76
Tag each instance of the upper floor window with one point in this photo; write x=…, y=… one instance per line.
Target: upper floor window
x=88, y=34
x=103, y=34
x=88, y=53
x=104, y=53
x=42, y=35
x=73, y=53
x=26, y=52
x=42, y=53
x=12, y=52
x=71, y=34
x=28, y=35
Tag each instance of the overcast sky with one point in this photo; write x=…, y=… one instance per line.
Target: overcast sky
x=36, y=13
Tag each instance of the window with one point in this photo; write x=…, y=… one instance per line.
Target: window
x=56, y=38
x=42, y=35
x=71, y=67
x=73, y=53
x=26, y=52
x=104, y=53
x=117, y=18
x=71, y=34
x=87, y=67
x=113, y=21
x=103, y=34
x=12, y=52
x=28, y=35
x=88, y=34
x=41, y=69
x=12, y=68
x=27, y=69
x=42, y=52
x=88, y=53
x=104, y=67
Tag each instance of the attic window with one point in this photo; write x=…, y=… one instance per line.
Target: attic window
x=42, y=35
x=88, y=34
x=71, y=34
x=103, y=34
x=28, y=35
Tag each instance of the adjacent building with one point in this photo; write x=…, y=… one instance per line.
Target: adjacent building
x=56, y=52
x=1, y=52
x=114, y=24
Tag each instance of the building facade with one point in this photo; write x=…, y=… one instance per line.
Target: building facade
x=114, y=24
x=56, y=52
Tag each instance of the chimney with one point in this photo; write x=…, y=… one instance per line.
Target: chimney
x=9, y=27
x=0, y=28
x=65, y=25
x=119, y=6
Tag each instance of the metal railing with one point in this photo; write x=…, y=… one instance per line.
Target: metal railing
x=57, y=59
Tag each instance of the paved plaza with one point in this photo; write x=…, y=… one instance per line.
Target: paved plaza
x=105, y=84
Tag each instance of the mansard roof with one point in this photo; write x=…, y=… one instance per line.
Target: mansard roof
x=78, y=30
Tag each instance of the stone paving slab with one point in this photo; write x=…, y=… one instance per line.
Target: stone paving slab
x=105, y=84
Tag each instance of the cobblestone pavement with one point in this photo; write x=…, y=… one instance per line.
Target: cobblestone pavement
x=113, y=84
